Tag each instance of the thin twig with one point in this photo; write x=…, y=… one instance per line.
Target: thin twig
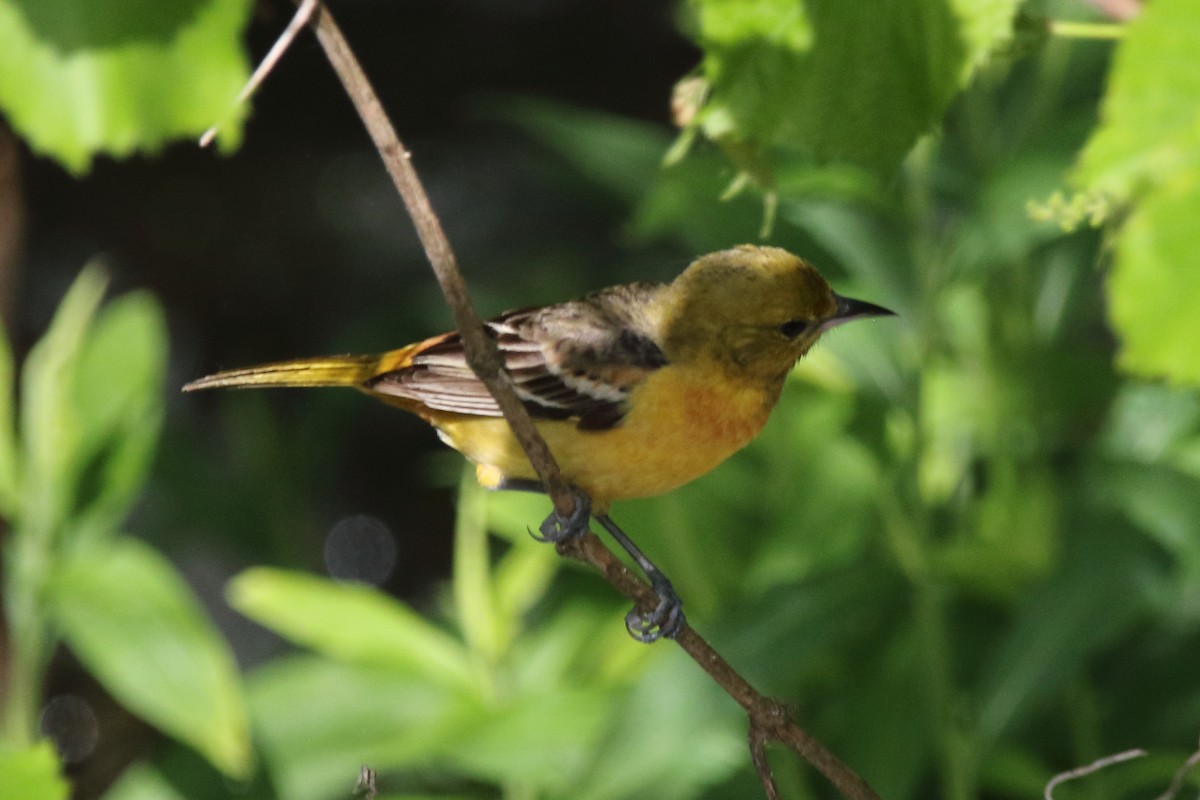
x=365, y=785
x=758, y=755
x=299, y=20
x=1088, y=769
x=1180, y=776
x=768, y=718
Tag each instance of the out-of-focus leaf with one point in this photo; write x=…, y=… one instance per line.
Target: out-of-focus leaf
x=641, y=756
x=544, y=738
x=9, y=479
x=1091, y=600
x=78, y=79
x=487, y=633
x=1154, y=288
x=1162, y=501
x=1015, y=537
x=616, y=153
x=50, y=429
x=1148, y=150
x=521, y=577
x=319, y=720
x=351, y=622
x=32, y=772
x=135, y=624
x=845, y=81
x=1149, y=132
x=895, y=751
x=1151, y=422
x=118, y=386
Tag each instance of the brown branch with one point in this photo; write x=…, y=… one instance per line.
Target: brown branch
x=758, y=755
x=768, y=718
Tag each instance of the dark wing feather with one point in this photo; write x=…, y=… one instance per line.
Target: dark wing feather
x=575, y=360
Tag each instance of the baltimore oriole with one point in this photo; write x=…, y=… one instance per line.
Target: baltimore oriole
x=637, y=389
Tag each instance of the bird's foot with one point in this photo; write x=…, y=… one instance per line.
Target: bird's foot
x=666, y=619
x=557, y=528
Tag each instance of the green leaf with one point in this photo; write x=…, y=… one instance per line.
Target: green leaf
x=135, y=624
x=49, y=426
x=118, y=386
x=1063, y=623
x=82, y=78
x=350, y=622
x=32, y=772
x=614, y=152
x=544, y=738
x=10, y=483
x=642, y=756
x=1148, y=150
x=486, y=632
x=1154, y=288
x=858, y=82
x=1151, y=112
x=319, y=720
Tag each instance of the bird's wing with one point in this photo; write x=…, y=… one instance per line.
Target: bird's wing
x=575, y=360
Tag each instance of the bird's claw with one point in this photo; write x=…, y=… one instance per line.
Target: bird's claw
x=556, y=528
x=667, y=618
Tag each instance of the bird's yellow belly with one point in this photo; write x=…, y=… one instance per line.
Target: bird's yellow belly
x=679, y=426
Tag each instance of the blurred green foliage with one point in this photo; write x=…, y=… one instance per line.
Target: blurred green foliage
x=1148, y=151
x=965, y=547
x=78, y=79
x=91, y=405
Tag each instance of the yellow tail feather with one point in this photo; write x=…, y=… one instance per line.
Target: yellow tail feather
x=322, y=371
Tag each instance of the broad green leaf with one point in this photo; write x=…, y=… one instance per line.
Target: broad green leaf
x=319, y=720
x=80, y=78
x=49, y=426
x=1154, y=288
x=118, y=386
x=856, y=82
x=1151, y=113
x=130, y=618
x=542, y=738
x=1148, y=150
x=350, y=622
x=32, y=772
x=9, y=478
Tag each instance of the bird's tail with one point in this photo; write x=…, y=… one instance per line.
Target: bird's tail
x=321, y=371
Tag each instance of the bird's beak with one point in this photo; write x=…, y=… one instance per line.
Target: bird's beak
x=849, y=309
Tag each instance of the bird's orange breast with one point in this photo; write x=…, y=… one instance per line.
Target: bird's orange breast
x=681, y=424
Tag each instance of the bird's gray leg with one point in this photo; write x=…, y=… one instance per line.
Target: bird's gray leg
x=667, y=617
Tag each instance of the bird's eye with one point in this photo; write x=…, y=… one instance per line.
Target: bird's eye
x=793, y=328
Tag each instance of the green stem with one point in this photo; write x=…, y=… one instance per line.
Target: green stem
x=1086, y=30
x=30, y=640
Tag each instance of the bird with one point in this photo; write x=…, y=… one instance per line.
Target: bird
x=637, y=388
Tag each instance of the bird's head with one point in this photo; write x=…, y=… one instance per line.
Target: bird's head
x=754, y=309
